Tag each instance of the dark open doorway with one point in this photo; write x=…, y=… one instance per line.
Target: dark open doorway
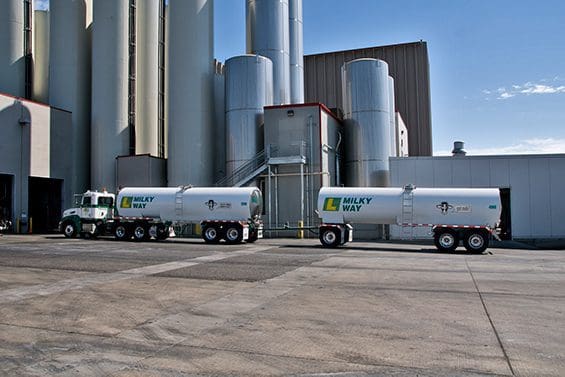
x=45, y=204
x=505, y=218
x=5, y=201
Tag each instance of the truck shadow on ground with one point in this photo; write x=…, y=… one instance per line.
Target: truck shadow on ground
x=459, y=251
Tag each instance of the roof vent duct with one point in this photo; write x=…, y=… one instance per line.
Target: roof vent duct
x=458, y=148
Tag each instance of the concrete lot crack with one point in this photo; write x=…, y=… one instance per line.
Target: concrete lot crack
x=490, y=320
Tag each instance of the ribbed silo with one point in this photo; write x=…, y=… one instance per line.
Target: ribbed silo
x=219, y=122
x=147, y=77
x=392, y=113
x=267, y=23
x=296, y=51
x=41, y=56
x=191, y=76
x=367, y=122
x=110, y=135
x=12, y=64
x=249, y=88
x=69, y=80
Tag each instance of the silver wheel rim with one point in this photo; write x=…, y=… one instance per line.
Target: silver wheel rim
x=446, y=240
x=232, y=234
x=69, y=230
x=329, y=237
x=120, y=232
x=476, y=241
x=139, y=232
x=211, y=233
x=153, y=231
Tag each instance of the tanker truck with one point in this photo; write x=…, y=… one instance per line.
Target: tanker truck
x=232, y=214
x=453, y=214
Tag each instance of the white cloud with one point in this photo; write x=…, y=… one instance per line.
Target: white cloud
x=527, y=89
x=529, y=146
x=41, y=4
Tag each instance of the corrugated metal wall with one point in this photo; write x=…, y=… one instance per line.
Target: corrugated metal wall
x=408, y=65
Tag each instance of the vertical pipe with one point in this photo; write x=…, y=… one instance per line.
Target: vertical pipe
x=296, y=51
x=28, y=48
x=41, y=57
x=393, y=149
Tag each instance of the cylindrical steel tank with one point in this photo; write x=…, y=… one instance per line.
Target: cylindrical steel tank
x=110, y=136
x=249, y=88
x=267, y=24
x=193, y=204
x=296, y=51
x=69, y=82
x=367, y=122
x=445, y=206
x=393, y=151
x=147, y=77
x=12, y=65
x=41, y=56
x=219, y=122
x=191, y=77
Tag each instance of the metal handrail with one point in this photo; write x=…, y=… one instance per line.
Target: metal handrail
x=243, y=171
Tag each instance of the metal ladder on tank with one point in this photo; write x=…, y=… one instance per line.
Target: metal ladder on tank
x=407, y=231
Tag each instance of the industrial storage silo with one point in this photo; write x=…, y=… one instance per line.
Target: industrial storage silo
x=12, y=64
x=41, y=56
x=69, y=80
x=367, y=122
x=249, y=88
x=296, y=49
x=190, y=85
x=219, y=121
x=267, y=23
x=147, y=76
x=392, y=113
x=110, y=136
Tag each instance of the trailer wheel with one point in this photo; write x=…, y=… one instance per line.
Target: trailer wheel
x=476, y=241
x=329, y=237
x=121, y=232
x=211, y=234
x=234, y=234
x=69, y=229
x=446, y=240
x=140, y=232
x=162, y=232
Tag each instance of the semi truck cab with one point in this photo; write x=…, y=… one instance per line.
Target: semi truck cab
x=91, y=209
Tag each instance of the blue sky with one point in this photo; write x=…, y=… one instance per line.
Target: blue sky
x=497, y=67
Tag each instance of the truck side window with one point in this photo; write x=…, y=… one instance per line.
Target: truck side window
x=86, y=201
x=106, y=201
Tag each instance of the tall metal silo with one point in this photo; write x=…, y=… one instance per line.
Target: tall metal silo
x=110, y=136
x=392, y=112
x=41, y=56
x=367, y=122
x=147, y=74
x=69, y=80
x=190, y=85
x=249, y=88
x=267, y=25
x=219, y=122
x=296, y=51
x=12, y=64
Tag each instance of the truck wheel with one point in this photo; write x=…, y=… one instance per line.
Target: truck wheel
x=69, y=229
x=140, y=233
x=211, y=234
x=234, y=234
x=446, y=240
x=476, y=241
x=162, y=232
x=329, y=237
x=121, y=232
x=253, y=236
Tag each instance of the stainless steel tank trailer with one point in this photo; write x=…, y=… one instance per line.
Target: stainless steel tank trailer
x=231, y=214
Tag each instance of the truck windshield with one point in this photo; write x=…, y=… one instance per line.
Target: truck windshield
x=106, y=201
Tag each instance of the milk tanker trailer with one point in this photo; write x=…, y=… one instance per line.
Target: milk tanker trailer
x=453, y=214
x=141, y=213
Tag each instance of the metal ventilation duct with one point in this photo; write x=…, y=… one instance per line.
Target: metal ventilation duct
x=296, y=51
x=267, y=24
x=392, y=112
x=367, y=122
x=249, y=88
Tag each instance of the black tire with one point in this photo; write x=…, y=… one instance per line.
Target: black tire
x=253, y=236
x=446, y=240
x=69, y=229
x=162, y=232
x=122, y=232
x=211, y=234
x=233, y=234
x=330, y=237
x=140, y=232
x=476, y=241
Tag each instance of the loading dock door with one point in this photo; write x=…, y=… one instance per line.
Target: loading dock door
x=505, y=216
x=45, y=204
x=6, y=209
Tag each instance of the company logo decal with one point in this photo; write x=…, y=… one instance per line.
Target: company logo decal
x=135, y=201
x=347, y=204
x=446, y=208
x=212, y=205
